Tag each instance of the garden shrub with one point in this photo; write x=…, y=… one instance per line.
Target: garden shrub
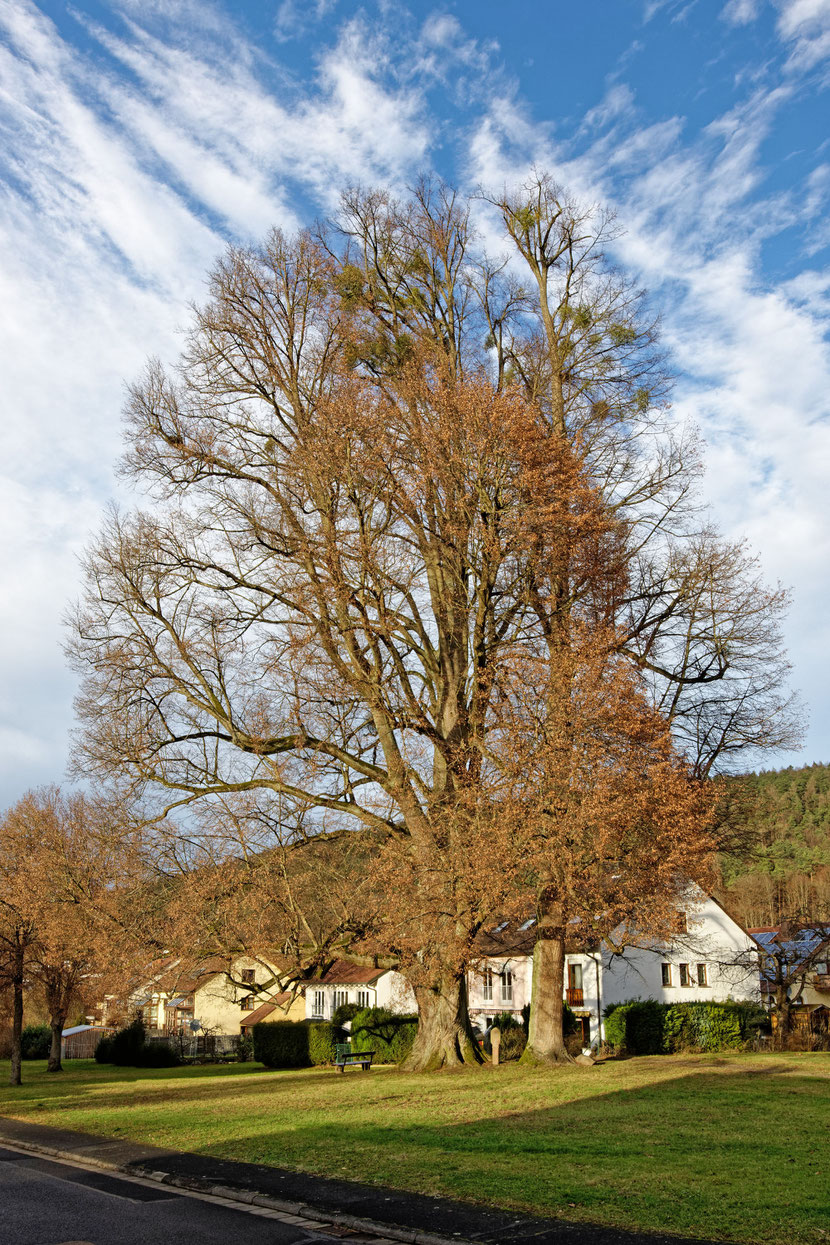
x=646, y=1027
x=35, y=1042
x=157, y=1055
x=322, y=1039
x=295, y=1043
x=244, y=1048
x=103, y=1051
x=129, y=1048
x=281, y=1044
x=513, y=1036
x=388, y=1034
x=346, y=1011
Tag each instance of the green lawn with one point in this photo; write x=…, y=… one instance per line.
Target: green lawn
x=732, y=1147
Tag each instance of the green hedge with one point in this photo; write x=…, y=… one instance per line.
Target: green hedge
x=388, y=1034
x=295, y=1043
x=646, y=1027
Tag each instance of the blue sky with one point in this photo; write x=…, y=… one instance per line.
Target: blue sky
x=139, y=136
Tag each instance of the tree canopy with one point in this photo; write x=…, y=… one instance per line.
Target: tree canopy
x=414, y=505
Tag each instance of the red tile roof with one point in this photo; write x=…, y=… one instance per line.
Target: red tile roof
x=342, y=973
x=279, y=1002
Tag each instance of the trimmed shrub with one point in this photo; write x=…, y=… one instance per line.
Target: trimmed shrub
x=322, y=1038
x=281, y=1044
x=387, y=1033
x=712, y=1026
x=646, y=1027
x=636, y=1026
x=35, y=1042
x=295, y=1043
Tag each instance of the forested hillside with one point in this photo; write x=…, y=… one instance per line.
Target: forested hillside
x=781, y=871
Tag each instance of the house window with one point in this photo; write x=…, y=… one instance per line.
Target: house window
x=317, y=1006
x=247, y=1003
x=248, y=976
x=701, y=975
x=507, y=986
x=487, y=988
x=575, y=976
x=685, y=979
x=665, y=972
x=363, y=998
x=341, y=997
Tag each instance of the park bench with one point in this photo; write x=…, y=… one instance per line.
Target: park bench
x=345, y=1057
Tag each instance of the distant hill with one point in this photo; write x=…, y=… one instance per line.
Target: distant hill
x=779, y=868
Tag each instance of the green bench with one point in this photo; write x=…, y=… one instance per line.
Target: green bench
x=345, y=1057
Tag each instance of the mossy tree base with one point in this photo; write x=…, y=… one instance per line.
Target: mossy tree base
x=445, y=1035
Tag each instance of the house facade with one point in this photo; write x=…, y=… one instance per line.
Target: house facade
x=214, y=997
x=710, y=958
x=364, y=987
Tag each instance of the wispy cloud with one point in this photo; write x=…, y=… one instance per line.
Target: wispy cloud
x=126, y=167
x=136, y=144
x=753, y=355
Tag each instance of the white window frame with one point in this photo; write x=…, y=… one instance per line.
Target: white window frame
x=506, y=985
x=363, y=999
x=318, y=1004
x=341, y=998
x=487, y=985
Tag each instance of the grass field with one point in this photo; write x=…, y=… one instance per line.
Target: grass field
x=733, y=1147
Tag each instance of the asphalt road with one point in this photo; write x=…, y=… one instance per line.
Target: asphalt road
x=48, y=1203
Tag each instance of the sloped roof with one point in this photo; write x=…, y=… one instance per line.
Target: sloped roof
x=342, y=973
x=518, y=937
x=277, y=1003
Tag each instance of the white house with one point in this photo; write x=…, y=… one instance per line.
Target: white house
x=352, y=983
x=711, y=957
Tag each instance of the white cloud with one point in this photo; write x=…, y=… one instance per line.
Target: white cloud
x=806, y=25
x=126, y=167
x=753, y=356
x=741, y=12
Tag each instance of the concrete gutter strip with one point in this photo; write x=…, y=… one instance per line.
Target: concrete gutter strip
x=301, y=1209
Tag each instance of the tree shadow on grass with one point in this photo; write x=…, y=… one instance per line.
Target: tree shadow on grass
x=717, y=1155
x=720, y=1150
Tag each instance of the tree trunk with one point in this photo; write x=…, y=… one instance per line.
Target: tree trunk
x=784, y=1011
x=546, y=1039
x=445, y=1036
x=56, y=1023
x=17, y=1016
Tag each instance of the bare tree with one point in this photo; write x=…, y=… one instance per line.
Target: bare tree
x=70, y=920
x=368, y=467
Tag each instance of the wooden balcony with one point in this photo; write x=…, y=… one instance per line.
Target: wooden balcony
x=574, y=997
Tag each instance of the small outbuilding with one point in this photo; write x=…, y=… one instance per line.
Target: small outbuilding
x=79, y=1041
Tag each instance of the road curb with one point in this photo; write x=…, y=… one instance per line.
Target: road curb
x=302, y=1210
